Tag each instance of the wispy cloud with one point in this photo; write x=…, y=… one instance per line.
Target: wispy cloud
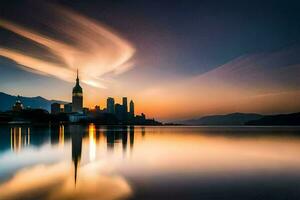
x=261, y=82
x=96, y=50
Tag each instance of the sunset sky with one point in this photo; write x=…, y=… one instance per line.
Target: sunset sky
x=175, y=59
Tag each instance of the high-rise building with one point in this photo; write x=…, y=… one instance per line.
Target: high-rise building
x=77, y=97
x=131, y=109
x=119, y=111
x=125, y=110
x=55, y=108
x=125, y=106
x=68, y=108
x=110, y=105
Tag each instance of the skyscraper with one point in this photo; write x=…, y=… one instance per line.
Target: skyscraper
x=119, y=111
x=125, y=110
x=110, y=105
x=125, y=107
x=77, y=97
x=131, y=109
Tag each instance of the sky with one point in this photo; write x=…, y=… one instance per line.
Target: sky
x=175, y=59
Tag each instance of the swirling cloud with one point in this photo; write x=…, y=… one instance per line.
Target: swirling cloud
x=91, y=47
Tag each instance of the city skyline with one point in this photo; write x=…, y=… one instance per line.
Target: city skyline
x=141, y=99
x=221, y=65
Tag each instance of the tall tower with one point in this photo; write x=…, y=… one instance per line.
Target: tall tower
x=77, y=97
x=131, y=108
x=125, y=110
x=110, y=105
x=125, y=106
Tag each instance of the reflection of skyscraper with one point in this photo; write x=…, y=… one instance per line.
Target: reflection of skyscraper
x=6, y=139
x=76, y=135
x=143, y=131
x=131, y=132
x=110, y=138
x=110, y=105
x=124, y=139
x=54, y=136
x=77, y=98
x=131, y=109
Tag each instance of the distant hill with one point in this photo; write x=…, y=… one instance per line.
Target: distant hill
x=228, y=119
x=282, y=119
x=6, y=102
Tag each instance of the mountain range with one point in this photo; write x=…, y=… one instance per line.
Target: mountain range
x=282, y=119
x=245, y=119
x=7, y=101
x=228, y=119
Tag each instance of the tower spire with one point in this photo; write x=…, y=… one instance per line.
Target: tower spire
x=77, y=78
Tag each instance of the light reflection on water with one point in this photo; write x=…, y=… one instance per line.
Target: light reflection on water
x=100, y=162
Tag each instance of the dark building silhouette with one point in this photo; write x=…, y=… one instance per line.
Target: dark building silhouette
x=55, y=108
x=110, y=105
x=131, y=109
x=18, y=106
x=97, y=108
x=77, y=97
x=125, y=106
x=140, y=119
x=85, y=110
x=119, y=111
x=68, y=108
x=125, y=110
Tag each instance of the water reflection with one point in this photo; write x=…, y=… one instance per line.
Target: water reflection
x=76, y=135
x=131, y=128
x=19, y=138
x=57, y=175
x=114, y=135
x=92, y=142
x=61, y=138
x=108, y=162
x=57, y=134
x=117, y=135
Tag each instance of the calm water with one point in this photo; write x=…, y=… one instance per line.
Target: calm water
x=98, y=162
